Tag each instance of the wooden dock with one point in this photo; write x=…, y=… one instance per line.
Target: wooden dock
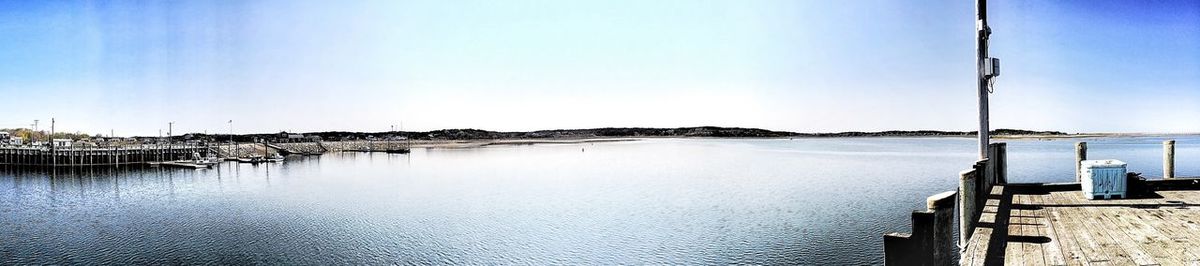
x=1001, y=223
x=1038, y=224
x=85, y=156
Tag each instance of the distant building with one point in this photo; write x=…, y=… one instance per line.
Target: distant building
x=82, y=143
x=62, y=143
x=16, y=141
x=293, y=137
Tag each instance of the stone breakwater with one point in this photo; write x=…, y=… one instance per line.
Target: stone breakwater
x=244, y=150
x=271, y=149
x=301, y=147
x=363, y=145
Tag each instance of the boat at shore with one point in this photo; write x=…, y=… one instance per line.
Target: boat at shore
x=185, y=164
x=261, y=159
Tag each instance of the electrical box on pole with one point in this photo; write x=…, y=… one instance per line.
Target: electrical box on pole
x=991, y=67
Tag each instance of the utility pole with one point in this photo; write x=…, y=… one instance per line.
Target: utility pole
x=53, y=150
x=170, y=135
x=981, y=45
x=232, y=145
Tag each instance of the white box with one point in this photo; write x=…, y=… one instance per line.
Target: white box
x=1103, y=179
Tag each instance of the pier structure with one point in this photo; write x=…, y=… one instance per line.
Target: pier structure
x=1055, y=224
x=87, y=156
x=1001, y=223
x=1157, y=222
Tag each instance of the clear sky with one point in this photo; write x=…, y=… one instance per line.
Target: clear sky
x=807, y=66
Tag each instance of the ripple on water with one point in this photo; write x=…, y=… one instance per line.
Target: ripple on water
x=679, y=202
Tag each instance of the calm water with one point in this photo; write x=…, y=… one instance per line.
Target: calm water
x=663, y=201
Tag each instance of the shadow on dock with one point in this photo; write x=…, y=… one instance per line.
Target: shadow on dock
x=1052, y=224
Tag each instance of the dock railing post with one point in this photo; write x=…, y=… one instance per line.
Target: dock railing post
x=942, y=206
x=1168, y=159
x=1080, y=156
x=999, y=162
x=968, y=199
x=932, y=239
x=898, y=250
x=982, y=183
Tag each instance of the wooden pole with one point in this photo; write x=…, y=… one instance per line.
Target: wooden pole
x=981, y=46
x=1168, y=159
x=1080, y=156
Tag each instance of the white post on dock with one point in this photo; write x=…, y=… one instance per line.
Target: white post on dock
x=1080, y=156
x=1168, y=159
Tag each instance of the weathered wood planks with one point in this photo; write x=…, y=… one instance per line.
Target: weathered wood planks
x=1063, y=228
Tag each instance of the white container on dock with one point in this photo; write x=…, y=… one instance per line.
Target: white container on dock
x=1103, y=179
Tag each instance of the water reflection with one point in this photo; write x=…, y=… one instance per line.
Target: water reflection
x=663, y=201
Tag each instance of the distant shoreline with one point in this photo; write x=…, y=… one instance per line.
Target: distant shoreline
x=561, y=135
x=476, y=137
x=476, y=143
x=464, y=144
x=596, y=133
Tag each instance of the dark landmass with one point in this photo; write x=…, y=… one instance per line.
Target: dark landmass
x=634, y=132
x=937, y=133
x=611, y=132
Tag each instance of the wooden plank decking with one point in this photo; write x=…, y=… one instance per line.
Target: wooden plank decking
x=1055, y=225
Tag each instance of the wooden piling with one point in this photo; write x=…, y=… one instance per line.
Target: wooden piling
x=966, y=205
x=999, y=164
x=1168, y=159
x=942, y=206
x=898, y=250
x=932, y=239
x=1080, y=156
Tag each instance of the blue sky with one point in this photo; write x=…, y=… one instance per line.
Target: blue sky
x=808, y=66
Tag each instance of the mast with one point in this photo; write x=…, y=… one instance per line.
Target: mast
x=982, y=32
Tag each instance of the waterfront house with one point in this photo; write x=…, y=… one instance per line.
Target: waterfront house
x=62, y=143
x=117, y=141
x=292, y=137
x=15, y=141
x=85, y=142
